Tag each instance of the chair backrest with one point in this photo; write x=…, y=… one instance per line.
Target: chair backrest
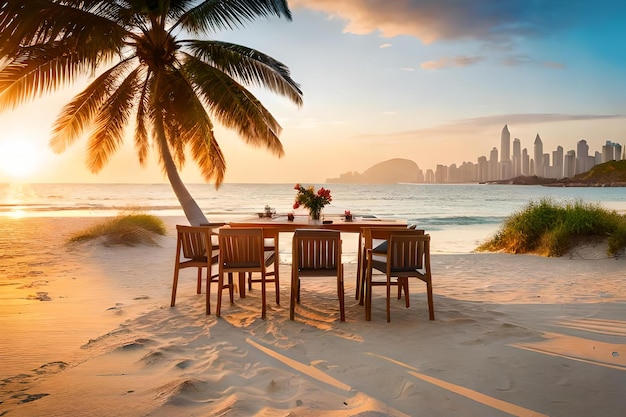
x=315, y=249
x=241, y=247
x=375, y=236
x=408, y=252
x=194, y=241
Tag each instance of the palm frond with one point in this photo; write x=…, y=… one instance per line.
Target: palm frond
x=75, y=25
x=111, y=121
x=188, y=125
x=212, y=15
x=29, y=77
x=249, y=66
x=142, y=143
x=78, y=114
x=234, y=106
x=206, y=152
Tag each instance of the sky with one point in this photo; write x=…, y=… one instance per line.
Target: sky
x=433, y=81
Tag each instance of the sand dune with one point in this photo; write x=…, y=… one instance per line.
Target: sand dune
x=87, y=330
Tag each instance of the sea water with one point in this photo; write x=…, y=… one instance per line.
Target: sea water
x=459, y=217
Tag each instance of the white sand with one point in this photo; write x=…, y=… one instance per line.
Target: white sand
x=87, y=331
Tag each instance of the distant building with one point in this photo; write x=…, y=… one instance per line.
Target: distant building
x=611, y=151
x=557, y=163
x=505, y=145
x=493, y=165
x=569, y=164
x=430, y=176
x=517, y=158
x=582, y=150
x=538, y=156
x=483, y=169
x=525, y=163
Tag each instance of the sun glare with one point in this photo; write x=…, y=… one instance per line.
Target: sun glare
x=18, y=158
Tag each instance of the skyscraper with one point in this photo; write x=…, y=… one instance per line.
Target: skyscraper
x=517, y=158
x=569, y=164
x=582, y=150
x=538, y=156
x=493, y=165
x=505, y=145
x=525, y=162
x=557, y=163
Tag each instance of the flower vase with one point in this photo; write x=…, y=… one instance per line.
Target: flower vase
x=315, y=215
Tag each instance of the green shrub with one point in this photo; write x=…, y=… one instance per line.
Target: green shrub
x=127, y=229
x=549, y=229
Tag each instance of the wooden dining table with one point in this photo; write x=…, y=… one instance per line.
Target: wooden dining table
x=330, y=222
x=337, y=222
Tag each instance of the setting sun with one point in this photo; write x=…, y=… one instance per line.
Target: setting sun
x=18, y=158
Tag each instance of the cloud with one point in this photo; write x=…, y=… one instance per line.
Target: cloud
x=385, y=45
x=554, y=65
x=487, y=123
x=534, y=118
x=433, y=20
x=446, y=62
x=517, y=60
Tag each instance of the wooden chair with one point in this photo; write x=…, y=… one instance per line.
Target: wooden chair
x=376, y=239
x=242, y=250
x=195, y=249
x=408, y=255
x=316, y=253
x=270, y=244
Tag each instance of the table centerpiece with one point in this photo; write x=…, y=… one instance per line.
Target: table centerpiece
x=313, y=200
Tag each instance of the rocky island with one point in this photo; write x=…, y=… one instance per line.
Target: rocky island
x=392, y=171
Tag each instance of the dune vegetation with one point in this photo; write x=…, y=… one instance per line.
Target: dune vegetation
x=125, y=229
x=547, y=228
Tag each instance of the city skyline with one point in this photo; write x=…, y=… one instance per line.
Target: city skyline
x=503, y=165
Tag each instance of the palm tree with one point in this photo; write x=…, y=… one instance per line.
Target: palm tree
x=143, y=67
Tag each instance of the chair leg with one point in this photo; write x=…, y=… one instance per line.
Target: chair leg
x=406, y=292
x=277, y=283
x=292, y=299
x=249, y=281
x=431, y=304
x=242, y=284
x=363, y=264
x=359, y=272
x=340, y=293
x=368, y=293
x=174, y=287
x=220, y=287
x=388, y=299
x=231, y=288
x=263, y=297
x=208, y=293
x=199, y=284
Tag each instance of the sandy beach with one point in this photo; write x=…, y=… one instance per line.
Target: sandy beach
x=87, y=331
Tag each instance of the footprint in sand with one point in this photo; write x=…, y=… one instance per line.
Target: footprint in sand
x=41, y=296
x=26, y=398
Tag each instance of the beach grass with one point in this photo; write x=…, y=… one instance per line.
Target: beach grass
x=125, y=229
x=550, y=229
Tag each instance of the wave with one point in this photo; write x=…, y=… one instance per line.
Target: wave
x=458, y=220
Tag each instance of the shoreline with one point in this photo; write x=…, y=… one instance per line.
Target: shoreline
x=94, y=322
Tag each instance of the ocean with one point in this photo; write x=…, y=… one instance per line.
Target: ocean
x=458, y=217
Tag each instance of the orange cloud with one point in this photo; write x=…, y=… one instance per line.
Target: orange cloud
x=458, y=61
x=432, y=20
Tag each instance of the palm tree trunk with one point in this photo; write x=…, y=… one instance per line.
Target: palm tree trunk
x=192, y=211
